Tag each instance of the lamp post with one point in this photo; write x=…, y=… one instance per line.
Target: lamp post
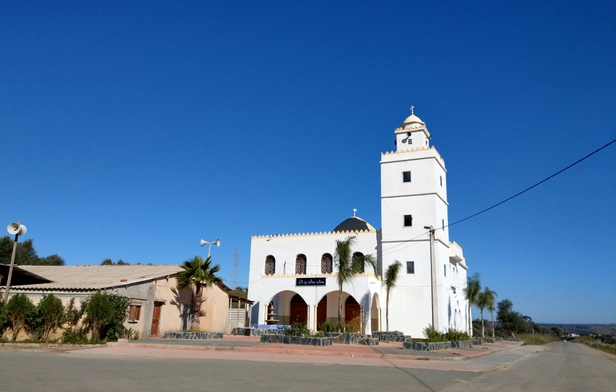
x=17, y=229
x=209, y=245
x=434, y=293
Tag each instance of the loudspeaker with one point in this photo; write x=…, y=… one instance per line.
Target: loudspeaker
x=16, y=228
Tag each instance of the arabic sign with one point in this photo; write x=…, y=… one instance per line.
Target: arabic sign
x=310, y=281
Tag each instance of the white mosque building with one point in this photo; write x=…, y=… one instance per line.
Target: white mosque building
x=293, y=276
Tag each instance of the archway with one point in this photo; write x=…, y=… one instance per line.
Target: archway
x=299, y=310
x=321, y=312
x=352, y=314
x=374, y=314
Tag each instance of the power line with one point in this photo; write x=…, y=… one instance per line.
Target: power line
x=533, y=186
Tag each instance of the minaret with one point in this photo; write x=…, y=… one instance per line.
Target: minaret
x=414, y=196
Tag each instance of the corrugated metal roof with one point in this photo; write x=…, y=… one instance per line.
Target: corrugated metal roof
x=95, y=277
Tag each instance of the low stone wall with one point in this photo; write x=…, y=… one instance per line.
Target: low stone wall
x=368, y=341
x=193, y=335
x=394, y=336
x=431, y=346
x=256, y=331
x=306, y=341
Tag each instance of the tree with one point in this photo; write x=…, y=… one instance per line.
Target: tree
x=471, y=294
x=110, y=262
x=485, y=299
x=510, y=321
x=349, y=266
x=391, y=276
x=105, y=314
x=197, y=274
x=241, y=289
x=51, y=315
x=17, y=311
x=490, y=304
x=26, y=254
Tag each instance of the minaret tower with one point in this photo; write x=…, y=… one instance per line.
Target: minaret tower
x=414, y=196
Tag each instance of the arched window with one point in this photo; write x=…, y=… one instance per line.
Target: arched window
x=300, y=264
x=327, y=265
x=270, y=265
x=358, y=262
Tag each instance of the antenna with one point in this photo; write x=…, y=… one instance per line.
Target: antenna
x=354, y=211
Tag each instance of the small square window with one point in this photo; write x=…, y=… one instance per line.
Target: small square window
x=406, y=176
x=410, y=267
x=408, y=220
x=134, y=312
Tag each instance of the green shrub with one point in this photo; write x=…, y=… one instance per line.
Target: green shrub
x=18, y=310
x=326, y=326
x=75, y=336
x=51, y=315
x=105, y=314
x=454, y=335
x=433, y=335
x=538, y=338
x=297, y=329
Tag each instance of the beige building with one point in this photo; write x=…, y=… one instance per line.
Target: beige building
x=157, y=305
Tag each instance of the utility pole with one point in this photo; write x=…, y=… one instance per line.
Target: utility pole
x=236, y=265
x=433, y=279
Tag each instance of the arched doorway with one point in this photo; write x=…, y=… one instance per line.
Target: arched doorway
x=321, y=312
x=374, y=314
x=299, y=310
x=352, y=314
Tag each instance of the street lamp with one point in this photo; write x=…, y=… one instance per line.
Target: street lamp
x=209, y=245
x=17, y=229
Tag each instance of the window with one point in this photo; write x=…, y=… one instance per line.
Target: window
x=134, y=312
x=406, y=176
x=410, y=141
x=443, y=224
x=300, y=264
x=326, y=264
x=445, y=269
x=270, y=265
x=408, y=220
x=410, y=267
x=358, y=262
x=441, y=177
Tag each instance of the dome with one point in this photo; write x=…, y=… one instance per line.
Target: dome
x=412, y=119
x=354, y=223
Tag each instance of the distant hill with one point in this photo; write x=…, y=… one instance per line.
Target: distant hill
x=585, y=329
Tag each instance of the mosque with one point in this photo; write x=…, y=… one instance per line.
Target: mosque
x=289, y=284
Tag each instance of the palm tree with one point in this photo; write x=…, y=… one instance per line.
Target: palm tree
x=197, y=273
x=391, y=275
x=489, y=302
x=471, y=294
x=349, y=266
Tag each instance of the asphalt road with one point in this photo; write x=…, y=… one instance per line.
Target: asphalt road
x=555, y=367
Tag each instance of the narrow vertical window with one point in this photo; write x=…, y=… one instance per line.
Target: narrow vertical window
x=270, y=265
x=410, y=267
x=408, y=220
x=443, y=224
x=326, y=263
x=406, y=176
x=300, y=264
x=444, y=269
x=441, y=178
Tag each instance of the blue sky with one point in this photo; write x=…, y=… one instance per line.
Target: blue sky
x=133, y=129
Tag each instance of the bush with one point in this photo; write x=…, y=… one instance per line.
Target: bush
x=50, y=316
x=18, y=310
x=454, y=335
x=297, y=329
x=433, y=335
x=538, y=338
x=105, y=314
x=75, y=336
x=326, y=326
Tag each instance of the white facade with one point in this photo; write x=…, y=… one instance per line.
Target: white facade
x=413, y=199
